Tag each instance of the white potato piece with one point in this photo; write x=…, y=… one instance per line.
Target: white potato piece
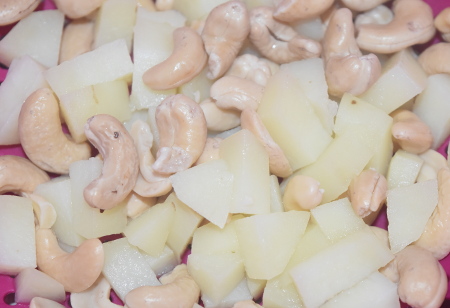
x=239, y=293
x=276, y=200
x=277, y=295
x=163, y=263
x=403, y=169
x=256, y=287
x=196, y=9
x=198, y=88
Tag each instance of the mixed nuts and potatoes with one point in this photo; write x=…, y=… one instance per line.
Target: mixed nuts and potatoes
x=213, y=153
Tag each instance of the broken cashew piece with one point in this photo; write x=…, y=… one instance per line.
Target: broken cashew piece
x=186, y=61
x=278, y=162
x=412, y=24
x=137, y=204
x=79, y=8
x=253, y=68
x=120, y=162
x=277, y=41
x=164, y=5
x=434, y=59
x=362, y=5
x=97, y=296
x=18, y=175
x=76, y=39
x=44, y=211
x=40, y=302
x=183, y=132
x=178, y=290
x=76, y=271
x=211, y=150
x=219, y=119
x=295, y=10
x=226, y=28
x=41, y=135
x=346, y=69
x=302, y=193
x=15, y=10
x=442, y=24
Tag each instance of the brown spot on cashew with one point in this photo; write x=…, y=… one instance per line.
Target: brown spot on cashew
x=183, y=132
x=412, y=24
x=77, y=39
x=278, y=163
x=236, y=93
x=226, y=28
x=211, y=150
x=75, y=9
x=362, y=5
x=410, y=133
x=41, y=135
x=121, y=162
x=14, y=10
x=178, y=290
x=294, y=10
x=40, y=302
x=43, y=211
x=253, y=68
x=246, y=304
x=19, y=175
x=76, y=271
x=434, y=59
x=186, y=61
x=302, y=193
x=346, y=69
x=219, y=119
x=442, y=23
x=367, y=192
x=96, y=296
x=378, y=15
x=277, y=41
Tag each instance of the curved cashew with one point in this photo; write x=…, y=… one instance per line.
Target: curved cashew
x=183, y=132
x=362, y=5
x=226, y=28
x=237, y=93
x=367, y=192
x=76, y=271
x=40, y=302
x=15, y=10
x=253, y=68
x=246, y=304
x=442, y=24
x=19, y=175
x=412, y=24
x=294, y=10
x=121, y=162
x=43, y=210
x=434, y=59
x=178, y=290
x=96, y=296
x=76, y=39
x=433, y=161
x=302, y=193
x=278, y=41
x=211, y=150
x=346, y=69
x=278, y=163
x=41, y=135
x=219, y=119
x=410, y=133
x=378, y=15
x=186, y=61
x=77, y=9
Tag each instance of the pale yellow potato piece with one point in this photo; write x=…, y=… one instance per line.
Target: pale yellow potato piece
x=163, y=263
x=277, y=295
x=196, y=9
x=403, y=169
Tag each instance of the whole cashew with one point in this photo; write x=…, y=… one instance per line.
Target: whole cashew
x=211, y=150
x=40, y=302
x=346, y=69
x=77, y=9
x=253, y=68
x=226, y=28
x=76, y=271
x=362, y=5
x=182, y=127
x=41, y=135
x=96, y=296
x=412, y=24
x=380, y=14
x=121, y=162
x=19, y=175
x=278, y=163
x=302, y=193
x=178, y=290
x=219, y=119
x=294, y=10
x=15, y=10
x=186, y=61
x=278, y=41
x=442, y=24
x=434, y=59
x=76, y=39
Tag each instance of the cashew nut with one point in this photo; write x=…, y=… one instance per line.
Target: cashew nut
x=178, y=290
x=277, y=41
x=294, y=10
x=378, y=15
x=76, y=271
x=346, y=69
x=15, y=10
x=121, y=162
x=96, y=296
x=367, y=192
x=412, y=24
x=186, y=61
x=434, y=59
x=410, y=133
x=211, y=150
x=236, y=93
x=19, y=175
x=76, y=39
x=362, y=5
x=183, y=132
x=40, y=302
x=43, y=210
x=442, y=24
x=302, y=193
x=219, y=119
x=164, y=5
x=246, y=304
x=253, y=68
x=41, y=135
x=278, y=163
x=433, y=161
x=137, y=204
x=79, y=8
x=226, y=28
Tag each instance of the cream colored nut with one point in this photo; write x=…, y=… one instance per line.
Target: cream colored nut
x=219, y=119
x=163, y=5
x=178, y=290
x=412, y=24
x=246, y=304
x=277, y=41
x=442, y=24
x=433, y=161
x=77, y=39
x=76, y=271
x=211, y=150
x=367, y=192
x=380, y=14
x=19, y=175
x=226, y=28
x=96, y=296
x=362, y=5
x=278, y=162
x=75, y=9
x=434, y=59
x=41, y=135
x=137, y=204
x=302, y=193
x=186, y=61
x=43, y=211
x=410, y=133
x=294, y=10
x=253, y=68
x=346, y=69
x=14, y=10
x=40, y=302
x=230, y=92
x=121, y=162
x=183, y=132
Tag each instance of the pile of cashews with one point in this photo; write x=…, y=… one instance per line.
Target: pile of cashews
x=356, y=33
